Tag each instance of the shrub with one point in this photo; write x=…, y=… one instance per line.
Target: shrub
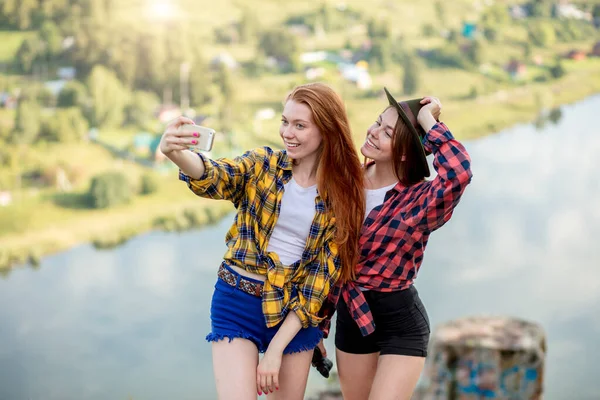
x=149, y=184
x=109, y=189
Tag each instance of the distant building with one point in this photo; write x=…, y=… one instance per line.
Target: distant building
x=67, y=73
x=93, y=134
x=568, y=10
x=345, y=54
x=7, y=100
x=314, y=73
x=469, y=30
x=518, y=12
x=358, y=74
x=265, y=114
x=142, y=142
x=313, y=57
x=55, y=86
x=224, y=59
x=516, y=69
x=5, y=199
x=301, y=30
x=68, y=42
x=576, y=55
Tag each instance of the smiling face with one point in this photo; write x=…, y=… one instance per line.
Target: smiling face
x=378, y=144
x=301, y=137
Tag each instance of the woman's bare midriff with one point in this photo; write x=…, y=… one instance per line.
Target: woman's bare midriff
x=247, y=274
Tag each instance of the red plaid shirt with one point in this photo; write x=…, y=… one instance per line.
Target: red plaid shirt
x=395, y=234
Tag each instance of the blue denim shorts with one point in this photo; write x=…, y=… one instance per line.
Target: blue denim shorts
x=237, y=314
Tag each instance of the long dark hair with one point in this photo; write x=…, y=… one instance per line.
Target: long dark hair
x=405, y=159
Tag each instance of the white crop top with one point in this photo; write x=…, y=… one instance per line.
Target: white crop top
x=376, y=197
x=296, y=215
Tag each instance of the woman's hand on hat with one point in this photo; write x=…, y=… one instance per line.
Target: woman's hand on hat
x=430, y=113
x=267, y=372
x=433, y=105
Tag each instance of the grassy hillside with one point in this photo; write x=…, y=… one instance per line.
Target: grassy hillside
x=478, y=100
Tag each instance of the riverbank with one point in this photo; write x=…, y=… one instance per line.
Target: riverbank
x=177, y=209
x=106, y=229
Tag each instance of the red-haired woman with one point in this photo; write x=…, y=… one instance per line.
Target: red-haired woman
x=295, y=235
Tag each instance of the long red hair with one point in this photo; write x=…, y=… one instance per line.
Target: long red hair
x=339, y=171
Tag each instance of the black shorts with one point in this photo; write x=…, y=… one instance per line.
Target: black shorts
x=401, y=325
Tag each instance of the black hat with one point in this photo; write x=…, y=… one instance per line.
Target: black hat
x=408, y=111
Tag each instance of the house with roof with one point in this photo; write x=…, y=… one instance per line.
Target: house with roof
x=516, y=69
x=576, y=55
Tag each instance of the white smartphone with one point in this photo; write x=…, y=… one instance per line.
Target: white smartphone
x=205, y=139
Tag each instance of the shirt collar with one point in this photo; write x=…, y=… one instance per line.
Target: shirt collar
x=285, y=162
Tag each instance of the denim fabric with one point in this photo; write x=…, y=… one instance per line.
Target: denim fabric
x=236, y=314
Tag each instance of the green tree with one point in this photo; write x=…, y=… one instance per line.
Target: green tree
x=93, y=30
x=379, y=29
x=476, y=52
x=45, y=97
x=428, y=30
x=54, y=10
x=326, y=17
x=177, y=43
x=527, y=50
x=557, y=70
x=108, y=98
x=19, y=12
x=491, y=33
x=50, y=38
x=123, y=59
x=281, y=45
x=141, y=109
x=27, y=54
x=225, y=84
x=68, y=125
x=555, y=115
x=200, y=82
x=452, y=36
x=151, y=59
x=109, y=189
x=223, y=80
x=248, y=26
x=542, y=8
x=149, y=184
x=542, y=34
x=73, y=94
x=27, y=122
x=449, y=56
x=380, y=54
x=440, y=12
x=411, y=78
x=496, y=14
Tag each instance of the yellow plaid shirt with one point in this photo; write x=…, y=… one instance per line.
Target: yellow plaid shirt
x=254, y=183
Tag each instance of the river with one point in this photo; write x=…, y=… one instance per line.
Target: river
x=130, y=322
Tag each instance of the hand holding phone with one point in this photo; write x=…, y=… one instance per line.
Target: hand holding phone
x=205, y=139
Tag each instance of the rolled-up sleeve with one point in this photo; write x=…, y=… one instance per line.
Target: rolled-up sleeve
x=453, y=166
x=224, y=179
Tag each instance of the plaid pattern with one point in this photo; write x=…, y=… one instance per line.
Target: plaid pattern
x=395, y=234
x=254, y=183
